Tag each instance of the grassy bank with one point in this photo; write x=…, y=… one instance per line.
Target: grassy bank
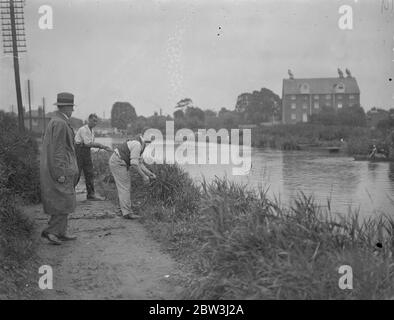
x=19, y=184
x=242, y=245
x=292, y=137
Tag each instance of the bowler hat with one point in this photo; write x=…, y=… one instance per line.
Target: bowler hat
x=64, y=99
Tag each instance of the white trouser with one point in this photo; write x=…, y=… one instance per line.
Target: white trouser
x=123, y=182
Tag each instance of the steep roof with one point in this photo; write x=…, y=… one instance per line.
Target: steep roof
x=320, y=85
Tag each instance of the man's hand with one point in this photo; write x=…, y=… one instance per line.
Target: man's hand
x=145, y=179
x=153, y=176
x=61, y=179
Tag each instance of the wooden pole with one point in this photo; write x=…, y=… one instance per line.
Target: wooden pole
x=21, y=121
x=43, y=114
x=29, y=97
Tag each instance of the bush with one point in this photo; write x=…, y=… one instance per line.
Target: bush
x=19, y=179
x=20, y=156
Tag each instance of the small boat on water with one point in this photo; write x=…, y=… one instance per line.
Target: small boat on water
x=362, y=157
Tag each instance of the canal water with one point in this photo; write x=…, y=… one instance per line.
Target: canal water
x=347, y=184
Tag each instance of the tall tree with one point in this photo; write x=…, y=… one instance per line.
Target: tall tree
x=122, y=114
x=259, y=106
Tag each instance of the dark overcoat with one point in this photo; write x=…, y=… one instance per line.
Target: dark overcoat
x=58, y=159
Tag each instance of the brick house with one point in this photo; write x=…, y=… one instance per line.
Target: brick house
x=303, y=97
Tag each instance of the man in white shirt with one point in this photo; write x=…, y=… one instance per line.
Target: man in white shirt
x=84, y=141
x=128, y=154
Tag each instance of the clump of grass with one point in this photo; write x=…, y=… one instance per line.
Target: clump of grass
x=270, y=253
x=19, y=153
x=17, y=249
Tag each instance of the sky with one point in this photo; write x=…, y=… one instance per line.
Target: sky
x=155, y=53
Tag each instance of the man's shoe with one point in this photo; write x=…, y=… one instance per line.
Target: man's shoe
x=132, y=216
x=67, y=238
x=95, y=198
x=51, y=238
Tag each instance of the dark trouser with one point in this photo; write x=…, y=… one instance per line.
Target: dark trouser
x=85, y=164
x=57, y=225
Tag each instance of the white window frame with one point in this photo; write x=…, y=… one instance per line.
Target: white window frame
x=316, y=105
x=293, y=105
x=293, y=116
x=340, y=105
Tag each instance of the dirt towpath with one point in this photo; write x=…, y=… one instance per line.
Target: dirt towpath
x=113, y=258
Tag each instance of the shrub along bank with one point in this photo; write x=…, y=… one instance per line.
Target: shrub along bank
x=19, y=183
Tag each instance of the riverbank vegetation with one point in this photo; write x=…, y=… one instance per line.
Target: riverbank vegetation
x=19, y=184
x=357, y=140
x=241, y=244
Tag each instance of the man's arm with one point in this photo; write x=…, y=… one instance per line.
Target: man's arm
x=135, y=159
x=147, y=171
x=97, y=145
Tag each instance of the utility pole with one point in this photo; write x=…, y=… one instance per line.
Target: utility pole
x=14, y=42
x=29, y=98
x=43, y=115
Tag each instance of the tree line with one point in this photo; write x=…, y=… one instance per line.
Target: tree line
x=254, y=108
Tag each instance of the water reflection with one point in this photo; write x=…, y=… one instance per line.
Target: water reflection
x=372, y=170
x=391, y=173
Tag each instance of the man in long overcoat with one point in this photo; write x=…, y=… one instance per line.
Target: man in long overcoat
x=59, y=171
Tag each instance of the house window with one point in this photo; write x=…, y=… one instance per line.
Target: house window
x=351, y=96
x=304, y=117
x=293, y=97
x=328, y=96
x=293, y=116
x=339, y=105
x=304, y=105
x=316, y=105
x=293, y=105
x=316, y=97
x=339, y=97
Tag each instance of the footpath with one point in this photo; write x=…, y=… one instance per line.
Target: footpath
x=113, y=258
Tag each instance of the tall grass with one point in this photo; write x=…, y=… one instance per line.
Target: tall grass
x=242, y=245
x=19, y=182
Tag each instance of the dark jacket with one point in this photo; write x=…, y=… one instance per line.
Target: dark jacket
x=58, y=159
